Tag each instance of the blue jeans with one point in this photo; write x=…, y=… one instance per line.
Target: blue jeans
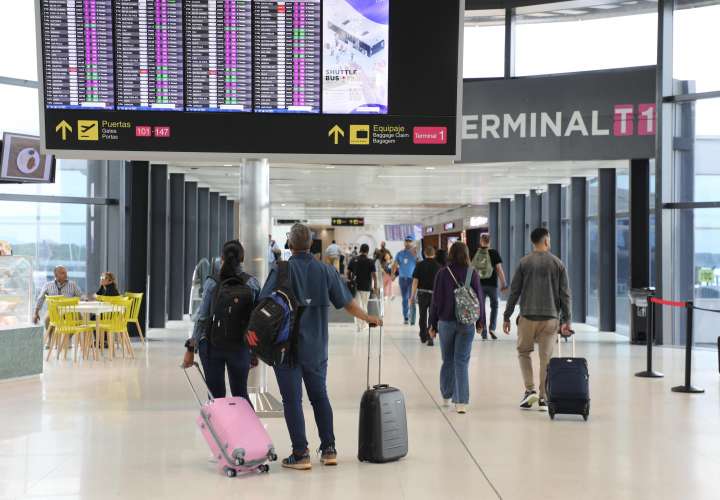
x=214, y=362
x=290, y=381
x=491, y=292
x=455, y=344
x=405, y=289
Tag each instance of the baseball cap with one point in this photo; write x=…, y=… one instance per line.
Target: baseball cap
x=410, y=237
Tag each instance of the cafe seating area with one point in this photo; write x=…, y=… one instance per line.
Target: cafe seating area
x=92, y=329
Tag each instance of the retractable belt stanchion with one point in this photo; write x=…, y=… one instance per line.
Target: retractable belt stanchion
x=650, y=337
x=688, y=387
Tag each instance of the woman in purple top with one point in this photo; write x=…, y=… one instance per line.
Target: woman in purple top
x=455, y=338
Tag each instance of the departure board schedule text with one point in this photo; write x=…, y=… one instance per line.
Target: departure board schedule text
x=149, y=54
x=287, y=56
x=218, y=55
x=78, y=46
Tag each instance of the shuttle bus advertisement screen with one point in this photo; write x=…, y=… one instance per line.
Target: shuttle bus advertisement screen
x=237, y=77
x=355, y=56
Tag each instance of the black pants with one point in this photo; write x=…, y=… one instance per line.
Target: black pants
x=214, y=362
x=424, y=300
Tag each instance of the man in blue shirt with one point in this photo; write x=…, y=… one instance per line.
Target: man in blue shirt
x=405, y=262
x=316, y=286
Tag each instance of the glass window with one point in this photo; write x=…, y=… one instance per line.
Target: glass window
x=564, y=37
x=19, y=110
x=18, y=57
x=622, y=200
x=707, y=273
x=72, y=178
x=593, y=268
x=622, y=236
x=484, y=44
x=51, y=234
x=696, y=35
x=593, y=185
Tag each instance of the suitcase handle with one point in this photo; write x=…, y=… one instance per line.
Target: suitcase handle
x=561, y=336
x=192, y=387
x=381, y=386
x=381, y=309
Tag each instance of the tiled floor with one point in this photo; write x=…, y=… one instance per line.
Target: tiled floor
x=125, y=429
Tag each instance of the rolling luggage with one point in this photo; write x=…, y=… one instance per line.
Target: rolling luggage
x=237, y=438
x=568, y=385
x=383, y=421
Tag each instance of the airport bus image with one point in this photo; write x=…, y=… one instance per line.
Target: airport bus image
x=365, y=37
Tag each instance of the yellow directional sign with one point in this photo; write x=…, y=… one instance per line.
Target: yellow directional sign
x=63, y=127
x=335, y=133
x=88, y=130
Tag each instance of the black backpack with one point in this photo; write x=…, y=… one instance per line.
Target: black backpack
x=272, y=332
x=232, y=305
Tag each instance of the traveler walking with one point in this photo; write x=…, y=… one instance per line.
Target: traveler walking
x=488, y=264
x=422, y=290
x=219, y=333
x=59, y=286
x=332, y=253
x=540, y=284
x=316, y=286
x=456, y=336
x=361, y=271
x=405, y=262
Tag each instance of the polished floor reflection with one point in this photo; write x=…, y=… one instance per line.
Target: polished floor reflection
x=125, y=429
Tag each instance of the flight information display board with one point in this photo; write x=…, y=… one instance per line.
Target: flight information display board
x=226, y=79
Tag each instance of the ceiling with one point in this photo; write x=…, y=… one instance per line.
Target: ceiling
x=390, y=194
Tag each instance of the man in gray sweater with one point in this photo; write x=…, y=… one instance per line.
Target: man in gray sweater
x=540, y=283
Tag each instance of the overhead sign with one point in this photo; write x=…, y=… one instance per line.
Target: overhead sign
x=348, y=221
x=22, y=161
x=325, y=80
x=597, y=115
x=449, y=226
x=478, y=221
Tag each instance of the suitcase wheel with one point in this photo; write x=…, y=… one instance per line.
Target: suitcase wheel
x=239, y=462
x=272, y=457
x=230, y=472
x=264, y=469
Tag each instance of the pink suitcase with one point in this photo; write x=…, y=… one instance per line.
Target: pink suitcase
x=237, y=438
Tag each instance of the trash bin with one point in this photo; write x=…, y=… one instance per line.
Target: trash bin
x=638, y=314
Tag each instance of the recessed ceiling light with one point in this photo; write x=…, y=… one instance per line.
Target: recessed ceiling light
x=283, y=204
x=330, y=167
x=227, y=165
x=429, y=168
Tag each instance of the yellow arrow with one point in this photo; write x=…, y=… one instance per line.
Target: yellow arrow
x=63, y=127
x=336, y=132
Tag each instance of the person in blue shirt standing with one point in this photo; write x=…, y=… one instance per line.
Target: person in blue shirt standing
x=405, y=262
x=316, y=286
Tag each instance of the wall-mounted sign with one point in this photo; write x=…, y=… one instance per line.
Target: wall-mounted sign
x=129, y=79
x=289, y=222
x=348, y=221
x=21, y=160
x=429, y=230
x=449, y=226
x=596, y=115
x=478, y=221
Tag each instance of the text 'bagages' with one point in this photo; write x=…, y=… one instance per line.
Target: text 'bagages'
x=568, y=385
x=232, y=429
x=383, y=433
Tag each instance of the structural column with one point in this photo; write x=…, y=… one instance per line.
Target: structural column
x=503, y=235
x=159, y=262
x=136, y=201
x=214, y=224
x=176, y=276
x=203, y=221
x=578, y=245
x=534, y=217
x=554, y=194
x=607, y=272
x=191, y=240
x=517, y=250
x=494, y=223
x=230, y=211
x=222, y=221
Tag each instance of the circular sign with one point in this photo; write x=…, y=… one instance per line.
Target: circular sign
x=28, y=160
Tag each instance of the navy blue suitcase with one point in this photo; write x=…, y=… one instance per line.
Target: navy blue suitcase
x=568, y=385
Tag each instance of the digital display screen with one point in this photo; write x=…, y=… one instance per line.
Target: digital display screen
x=348, y=221
x=314, y=77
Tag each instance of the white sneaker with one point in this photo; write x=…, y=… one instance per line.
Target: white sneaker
x=447, y=402
x=461, y=409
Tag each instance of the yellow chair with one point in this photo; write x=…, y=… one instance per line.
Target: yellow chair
x=115, y=323
x=134, y=318
x=68, y=325
x=52, y=302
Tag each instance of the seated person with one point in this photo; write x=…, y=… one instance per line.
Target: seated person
x=108, y=286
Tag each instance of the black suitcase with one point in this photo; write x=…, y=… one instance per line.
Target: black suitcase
x=568, y=385
x=382, y=435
